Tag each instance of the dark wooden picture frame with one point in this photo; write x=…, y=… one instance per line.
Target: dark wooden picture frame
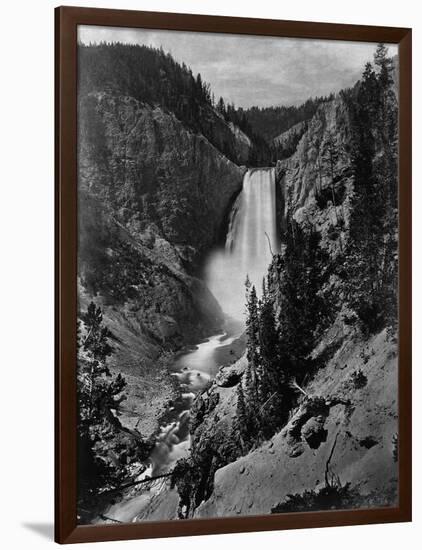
x=66, y=21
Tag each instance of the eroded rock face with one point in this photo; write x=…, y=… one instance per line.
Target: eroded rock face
x=230, y=376
x=287, y=141
x=153, y=173
x=308, y=189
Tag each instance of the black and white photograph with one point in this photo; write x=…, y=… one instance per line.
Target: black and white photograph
x=237, y=275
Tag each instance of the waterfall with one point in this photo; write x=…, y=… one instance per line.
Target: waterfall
x=252, y=224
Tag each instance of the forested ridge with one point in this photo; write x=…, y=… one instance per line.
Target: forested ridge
x=270, y=122
x=150, y=75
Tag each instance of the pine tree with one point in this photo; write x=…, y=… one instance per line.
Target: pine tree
x=303, y=312
x=242, y=422
x=250, y=387
x=105, y=449
x=253, y=418
x=221, y=107
x=268, y=344
x=371, y=256
x=388, y=168
x=95, y=350
x=252, y=333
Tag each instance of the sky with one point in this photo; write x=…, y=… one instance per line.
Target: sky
x=254, y=70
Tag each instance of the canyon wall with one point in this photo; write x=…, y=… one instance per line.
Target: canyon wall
x=153, y=199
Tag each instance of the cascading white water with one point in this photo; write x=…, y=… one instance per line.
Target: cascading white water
x=252, y=230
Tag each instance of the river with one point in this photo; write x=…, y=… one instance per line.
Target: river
x=194, y=370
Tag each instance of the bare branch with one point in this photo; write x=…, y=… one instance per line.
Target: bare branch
x=267, y=401
x=294, y=385
x=269, y=244
x=133, y=483
x=86, y=338
x=327, y=464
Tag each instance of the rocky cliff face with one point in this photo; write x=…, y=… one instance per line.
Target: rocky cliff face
x=286, y=143
x=153, y=199
x=154, y=174
x=313, y=187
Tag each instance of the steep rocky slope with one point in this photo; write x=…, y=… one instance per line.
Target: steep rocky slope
x=355, y=421
x=285, y=144
x=153, y=173
x=296, y=130
x=154, y=198
x=154, y=77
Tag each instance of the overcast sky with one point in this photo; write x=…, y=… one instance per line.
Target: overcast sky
x=254, y=70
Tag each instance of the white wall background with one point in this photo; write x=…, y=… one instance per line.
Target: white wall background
x=26, y=304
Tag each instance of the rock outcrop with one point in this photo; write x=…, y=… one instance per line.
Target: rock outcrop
x=313, y=190
x=286, y=143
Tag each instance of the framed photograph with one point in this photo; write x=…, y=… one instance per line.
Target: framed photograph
x=233, y=274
